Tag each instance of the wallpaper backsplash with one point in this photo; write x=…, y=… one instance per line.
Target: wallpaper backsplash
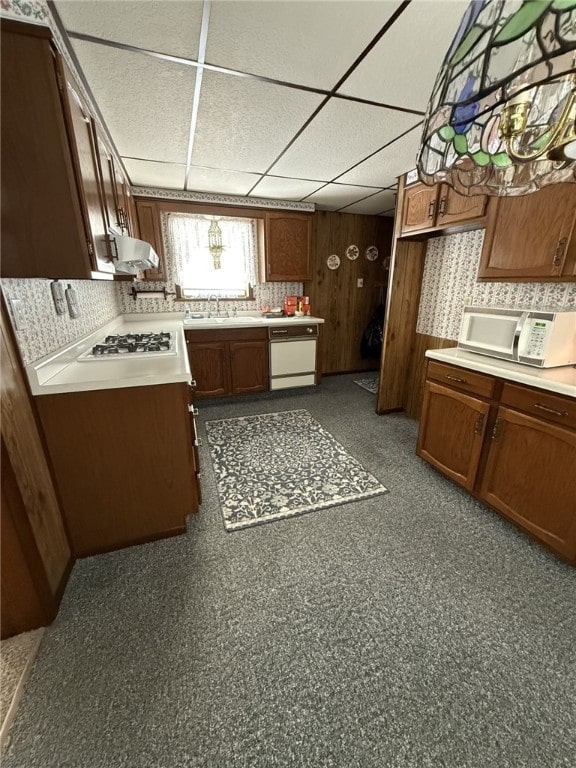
x=449, y=283
x=43, y=331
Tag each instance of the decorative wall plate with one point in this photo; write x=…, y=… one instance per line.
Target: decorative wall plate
x=333, y=261
x=371, y=253
x=352, y=252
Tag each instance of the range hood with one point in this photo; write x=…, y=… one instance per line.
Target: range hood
x=133, y=255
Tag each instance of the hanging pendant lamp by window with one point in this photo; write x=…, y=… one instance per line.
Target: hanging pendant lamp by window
x=501, y=118
x=215, y=243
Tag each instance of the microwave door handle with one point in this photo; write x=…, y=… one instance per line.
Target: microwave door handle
x=522, y=327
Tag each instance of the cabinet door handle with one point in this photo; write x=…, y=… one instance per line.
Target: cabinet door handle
x=546, y=408
x=431, y=209
x=560, y=249
x=497, y=429
x=442, y=206
x=192, y=410
x=192, y=384
x=479, y=424
x=456, y=378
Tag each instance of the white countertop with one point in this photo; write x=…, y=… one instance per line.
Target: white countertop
x=61, y=372
x=248, y=320
x=561, y=380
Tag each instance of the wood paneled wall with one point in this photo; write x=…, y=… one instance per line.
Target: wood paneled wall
x=334, y=294
x=414, y=391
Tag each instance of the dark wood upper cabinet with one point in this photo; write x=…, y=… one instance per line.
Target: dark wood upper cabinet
x=149, y=225
x=45, y=232
x=59, y=183
x=288, y=245
x=426, y=209
x=531, y=237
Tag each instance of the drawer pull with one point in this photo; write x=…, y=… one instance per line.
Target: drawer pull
x=479, y=424
x=192, y=410
x=550, y=410
x=497, y=429
x=198, y=442
x=456, y=378
x=192, y=384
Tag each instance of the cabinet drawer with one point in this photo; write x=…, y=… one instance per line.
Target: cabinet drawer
x=541, y=403
x=461, y=378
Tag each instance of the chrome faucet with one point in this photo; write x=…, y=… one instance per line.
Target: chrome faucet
x=217, y=298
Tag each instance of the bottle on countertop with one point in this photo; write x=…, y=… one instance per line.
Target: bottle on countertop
x=72, y=301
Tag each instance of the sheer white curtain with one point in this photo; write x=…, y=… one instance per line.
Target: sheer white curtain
x=188, y=243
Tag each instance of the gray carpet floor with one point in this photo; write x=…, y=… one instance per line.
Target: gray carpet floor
x=413, y=629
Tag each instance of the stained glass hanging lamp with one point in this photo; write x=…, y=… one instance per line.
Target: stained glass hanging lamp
x=215, y=243
x=501, y=118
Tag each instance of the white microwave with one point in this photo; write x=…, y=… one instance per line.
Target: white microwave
x=534, y=337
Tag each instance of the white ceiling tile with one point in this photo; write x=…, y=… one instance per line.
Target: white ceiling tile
x=383, y=169
x=334, y=196
x=310, y=43
x=401, y=69
x=221, y=182
x=244, y=124
x=342, y=134
x=276, y=187
x=146, y=103
x=374, y=205
x=147, y=174
x=166, y=27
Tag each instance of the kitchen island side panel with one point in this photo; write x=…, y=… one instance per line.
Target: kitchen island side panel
x=124, y=463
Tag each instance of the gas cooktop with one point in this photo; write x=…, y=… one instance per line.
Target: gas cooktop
x=132, y=346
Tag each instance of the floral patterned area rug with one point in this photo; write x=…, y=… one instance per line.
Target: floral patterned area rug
x=277, y=465
x=370, y=384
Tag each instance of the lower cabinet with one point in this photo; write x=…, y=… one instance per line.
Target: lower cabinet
x=228, y=362
x=124, y=463
x=512, y=446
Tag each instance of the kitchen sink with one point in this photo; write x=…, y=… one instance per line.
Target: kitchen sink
x=199, y=322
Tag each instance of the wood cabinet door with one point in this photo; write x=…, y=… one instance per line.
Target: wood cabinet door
x=44, y=230
x=530, y=237
x=288, y=243
x=248, y=366
x=87, y=164
x=150, y=230
x=451, y=432
x=530, y=477
x=419, y=208
x=454, y=208
x=210, y=368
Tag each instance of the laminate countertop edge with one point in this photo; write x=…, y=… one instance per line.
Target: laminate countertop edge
x=561, y=380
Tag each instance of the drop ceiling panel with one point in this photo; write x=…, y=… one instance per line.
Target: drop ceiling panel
x=285, y=189
x=221, y=182
x=334, y=196
x=309, y=43
x=342, y=134
x=146, y=174
x=167, y=27
x=244, y=124
x=401, y=69
x=374, y=205
x=383, y=169
x=146, y=103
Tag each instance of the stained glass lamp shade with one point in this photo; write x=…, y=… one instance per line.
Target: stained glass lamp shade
x=501, y=118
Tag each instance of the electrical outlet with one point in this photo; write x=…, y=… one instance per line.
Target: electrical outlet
x=17, y=310
x=360, y=282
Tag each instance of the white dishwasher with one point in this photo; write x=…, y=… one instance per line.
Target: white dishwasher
x=292, y=355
